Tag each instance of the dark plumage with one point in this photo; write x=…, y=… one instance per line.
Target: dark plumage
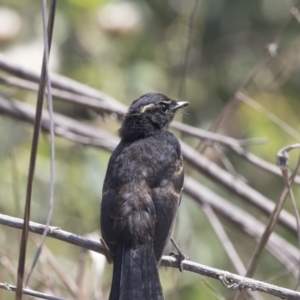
x=141, y=194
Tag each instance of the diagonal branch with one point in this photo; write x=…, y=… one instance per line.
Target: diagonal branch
x=62, y=83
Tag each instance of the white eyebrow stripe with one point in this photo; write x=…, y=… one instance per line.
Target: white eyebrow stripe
x=144, y=108
x=166, y=102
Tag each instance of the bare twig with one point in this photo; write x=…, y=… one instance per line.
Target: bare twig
x=47, y=44
x=288, y=186
x=10, y=269
x=282, y=160
x=227, y=163
x=80, y=274
x=63, y=126
x=227, y=244
x=217, y=138
x=67, y=96
x=223, y=237
x=268, y=230
x=275, y=119
x=46, y=280
x=63, y=83
x=11, y=288
x=54, y=232
x=61, y=273
x=35, y=140
x=233, y=144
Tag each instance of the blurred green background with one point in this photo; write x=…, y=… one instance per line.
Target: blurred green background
x=126, y=49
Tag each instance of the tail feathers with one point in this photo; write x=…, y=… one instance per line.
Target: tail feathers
x=135, y=275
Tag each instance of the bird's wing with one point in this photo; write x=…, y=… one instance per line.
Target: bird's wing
x=108, y=209
x=166, y=199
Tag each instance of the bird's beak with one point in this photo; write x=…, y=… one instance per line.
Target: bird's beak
x=180, y=105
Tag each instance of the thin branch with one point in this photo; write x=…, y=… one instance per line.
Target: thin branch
x=226, y=163
x=223, y=237
x=67, y=96
x=275, y=119
x=233, y=144
x=282, y=160
x=47, y=44
x=63, y=126
x=82, y=259
x=227, y=244
x=267, y=232
x=54, y=232
x=62, y=83
x=229, y=280
x=57, y=268
x=7, y=265
x=212, y=137
x=33, y=154
x=288, y=186
x=11, y=288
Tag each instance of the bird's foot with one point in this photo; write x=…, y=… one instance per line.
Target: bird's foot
x=180, y=256
x=107, y=252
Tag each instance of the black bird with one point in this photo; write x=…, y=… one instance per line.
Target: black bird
x=141, y=194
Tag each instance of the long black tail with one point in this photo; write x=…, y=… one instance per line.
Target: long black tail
x=135, y=275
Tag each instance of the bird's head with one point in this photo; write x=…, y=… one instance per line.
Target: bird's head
x=148, y=113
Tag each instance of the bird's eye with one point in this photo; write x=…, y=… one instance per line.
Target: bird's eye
x=164, y=107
